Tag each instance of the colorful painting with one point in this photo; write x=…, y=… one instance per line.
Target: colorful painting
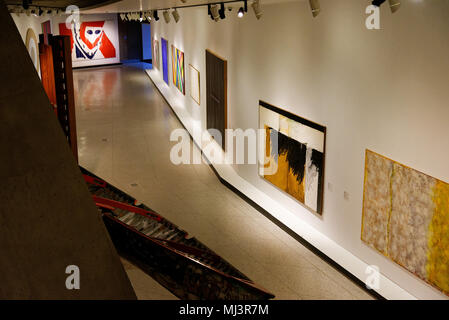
x=194, y=83
x=293, y=149
x=156, y=54
x=177, y=59
x=91, y=40
x=406, y=218
x=164, y=59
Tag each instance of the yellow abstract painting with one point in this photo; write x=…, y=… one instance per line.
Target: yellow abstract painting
x=406, y=218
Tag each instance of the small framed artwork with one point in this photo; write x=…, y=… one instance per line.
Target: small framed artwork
x=194, y=84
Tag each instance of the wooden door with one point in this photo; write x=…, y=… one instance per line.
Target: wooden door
x=47, y=72
x=216, y=92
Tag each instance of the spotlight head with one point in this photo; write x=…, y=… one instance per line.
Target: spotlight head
x=257, y=10
x=26, y=4
x=214, y=12
x=377, y=3
x=221, y=12
x=315, y=7
x=166, y=15
x=155, y=15
x=175, y=14
x=394, y=5
x=240, y=13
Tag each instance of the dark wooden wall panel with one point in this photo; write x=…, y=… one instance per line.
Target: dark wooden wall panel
x=47, y=72
x=216, y=91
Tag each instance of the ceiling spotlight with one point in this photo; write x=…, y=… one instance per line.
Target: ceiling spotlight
x=315, y=7
x=40, y=12
x=221, y=12
x=155, y=15
x=257, y=10
x=377, y=3
x=394, y=5
x=166, y=15
x=183, y=1
x=209, y=11
x=175, y=14
x=214, y=12
x=141, y=16
x=240, y=13
x=149, y=14
x=122, y=16
x=243, y=9
x=26, y=4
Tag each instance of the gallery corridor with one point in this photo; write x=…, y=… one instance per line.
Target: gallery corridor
x=124, y=125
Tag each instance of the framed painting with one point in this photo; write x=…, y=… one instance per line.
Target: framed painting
x=177, y=60
x=92, y=40
x=164, y=44
x=156, y=54
x=406, y=218
x=293, y=150
x=194, y=84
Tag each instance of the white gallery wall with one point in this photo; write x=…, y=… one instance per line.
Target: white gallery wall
x=384, y=90
x=23, y=22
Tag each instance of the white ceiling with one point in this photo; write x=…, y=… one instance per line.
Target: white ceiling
x=138, y=5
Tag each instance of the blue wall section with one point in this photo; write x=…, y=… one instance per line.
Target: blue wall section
x=146, y=41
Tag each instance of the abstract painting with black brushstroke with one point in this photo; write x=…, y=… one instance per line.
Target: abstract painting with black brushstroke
x=293, y=149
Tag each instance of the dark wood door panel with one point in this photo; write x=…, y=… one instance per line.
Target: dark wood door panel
x=216, y=85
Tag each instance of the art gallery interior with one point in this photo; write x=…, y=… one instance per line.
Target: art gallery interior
x=110, y=166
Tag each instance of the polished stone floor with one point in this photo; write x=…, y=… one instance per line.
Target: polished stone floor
x=124, y=126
